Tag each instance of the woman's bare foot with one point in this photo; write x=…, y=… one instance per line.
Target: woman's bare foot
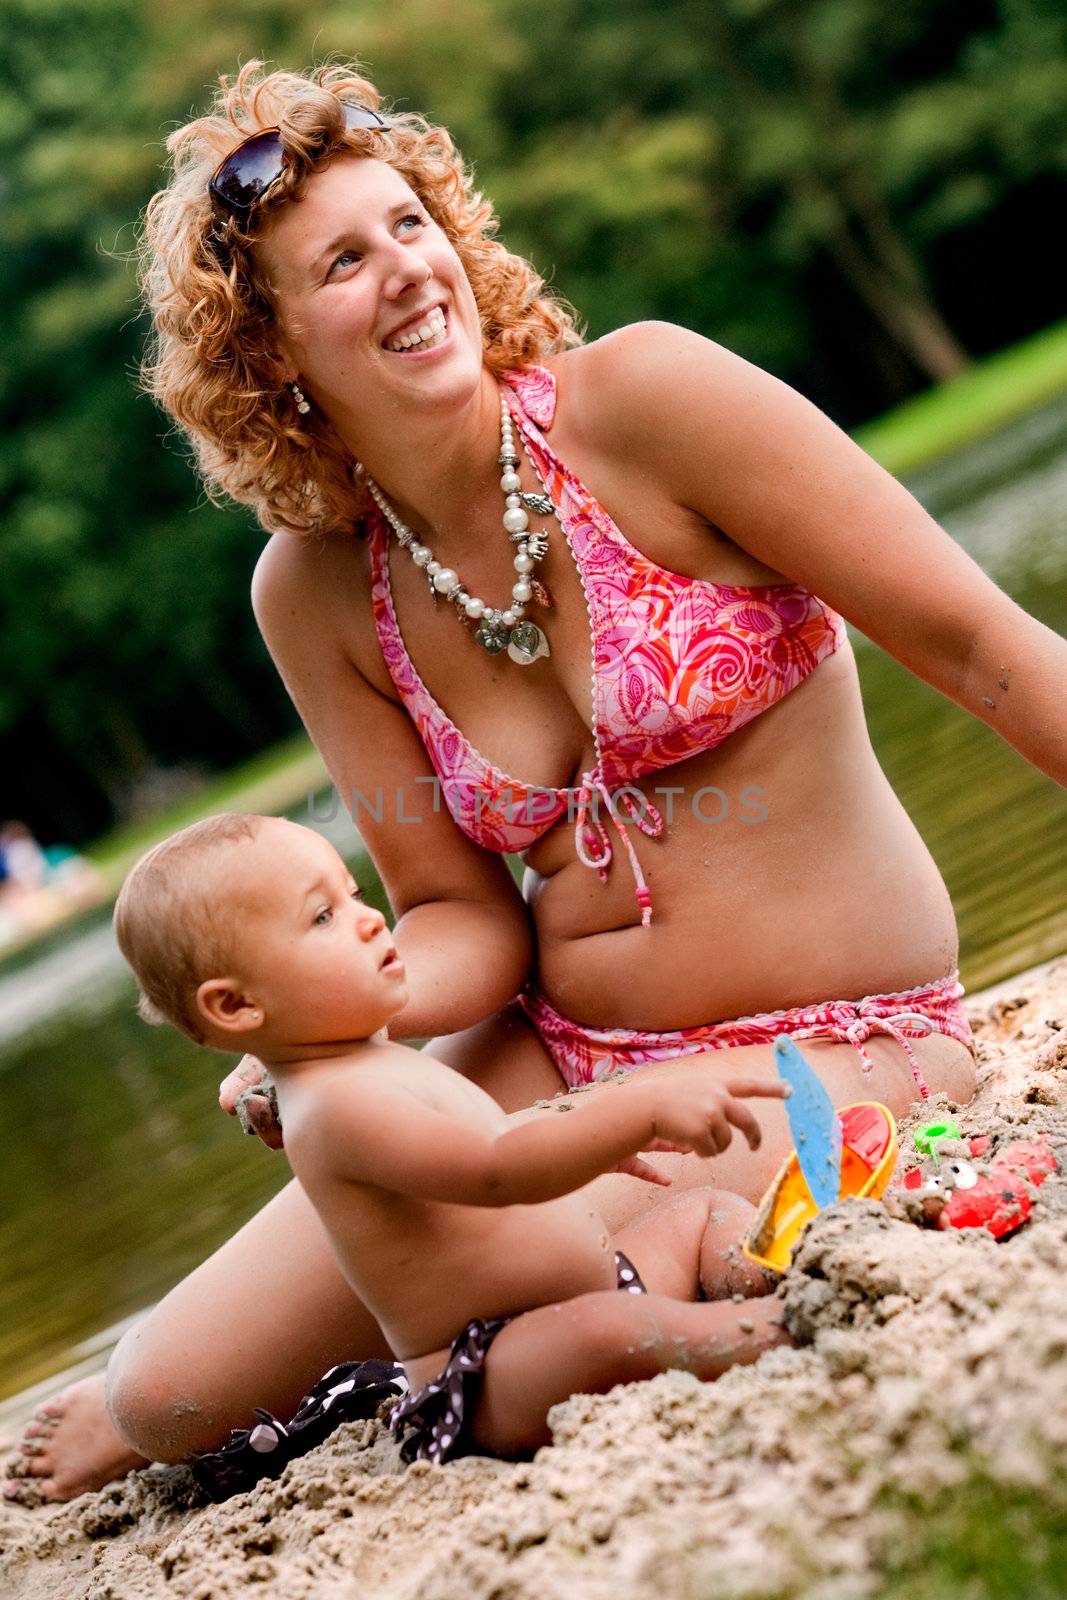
x=68, y=1448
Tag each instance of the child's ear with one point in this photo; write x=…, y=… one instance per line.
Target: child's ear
x=223, y=1003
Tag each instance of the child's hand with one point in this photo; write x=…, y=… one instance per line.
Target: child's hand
x=258, y=1107
x=698, y=1113
x=635, y=1167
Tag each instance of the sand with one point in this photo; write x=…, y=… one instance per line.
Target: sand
x=912, y=1445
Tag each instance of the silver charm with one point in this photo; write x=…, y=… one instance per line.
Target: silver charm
x=526, y=643
x=535, y=541
x=490, y=640
x=539, y=503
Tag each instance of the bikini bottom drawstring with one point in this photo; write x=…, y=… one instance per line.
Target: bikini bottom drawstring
x=858, y=1027
x=589, y=829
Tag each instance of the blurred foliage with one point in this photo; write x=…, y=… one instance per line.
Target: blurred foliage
x=853, y=195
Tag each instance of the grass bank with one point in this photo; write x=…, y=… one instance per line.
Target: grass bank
x=275, y=780
x=995, y=391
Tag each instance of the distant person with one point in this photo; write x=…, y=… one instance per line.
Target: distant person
x=676, y=744
x=40, y=887
x=25, y=863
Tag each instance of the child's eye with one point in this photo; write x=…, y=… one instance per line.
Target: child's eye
x=357, y=894
x=324, y=917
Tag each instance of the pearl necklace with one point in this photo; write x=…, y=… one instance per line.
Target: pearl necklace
x=495, y=630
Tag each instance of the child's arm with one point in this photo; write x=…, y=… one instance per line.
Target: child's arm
x=374, y=1132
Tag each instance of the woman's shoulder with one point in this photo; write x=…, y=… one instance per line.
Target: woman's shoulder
x=292, y=568
x=316, y=591
x=630, y=385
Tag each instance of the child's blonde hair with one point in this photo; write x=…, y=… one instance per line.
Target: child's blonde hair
x=214, y=366
x=171, y=926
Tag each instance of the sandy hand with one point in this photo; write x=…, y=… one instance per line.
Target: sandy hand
x=699, y=1113
x=257, y=1112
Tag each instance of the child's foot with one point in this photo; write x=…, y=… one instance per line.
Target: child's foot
x=69, y=1448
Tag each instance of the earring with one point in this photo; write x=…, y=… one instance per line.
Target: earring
x=302, y=405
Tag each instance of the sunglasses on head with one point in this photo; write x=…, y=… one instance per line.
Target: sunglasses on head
x=243, y=177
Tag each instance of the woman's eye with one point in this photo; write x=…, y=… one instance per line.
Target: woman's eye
x=350, y=257
x=345, y=259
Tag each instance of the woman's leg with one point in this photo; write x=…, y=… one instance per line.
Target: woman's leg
x=257, y=1324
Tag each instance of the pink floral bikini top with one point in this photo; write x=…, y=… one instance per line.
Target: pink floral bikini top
x=678, y=665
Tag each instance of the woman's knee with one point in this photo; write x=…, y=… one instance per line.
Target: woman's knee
x=948, y=1068
x=146, y=1404
x=954, y=1073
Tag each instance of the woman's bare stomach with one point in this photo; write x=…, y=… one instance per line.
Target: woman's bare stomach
x=795, y=876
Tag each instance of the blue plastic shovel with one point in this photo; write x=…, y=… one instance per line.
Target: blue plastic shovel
x=813, y=1122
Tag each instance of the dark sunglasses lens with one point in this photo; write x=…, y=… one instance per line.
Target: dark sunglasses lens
x=241, y=180
x=245, y=176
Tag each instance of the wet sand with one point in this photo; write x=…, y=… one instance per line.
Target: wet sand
x=914, y=1444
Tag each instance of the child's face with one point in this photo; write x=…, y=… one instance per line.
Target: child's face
x=317, y=963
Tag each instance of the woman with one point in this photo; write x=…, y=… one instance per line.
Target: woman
x=420, y=428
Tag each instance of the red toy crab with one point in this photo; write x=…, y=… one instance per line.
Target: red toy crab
x=997, y=1198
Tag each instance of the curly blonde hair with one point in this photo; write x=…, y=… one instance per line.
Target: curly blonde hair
x=212, y=364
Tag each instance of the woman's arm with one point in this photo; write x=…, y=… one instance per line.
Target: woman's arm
x=756, y=459
x=462, y=927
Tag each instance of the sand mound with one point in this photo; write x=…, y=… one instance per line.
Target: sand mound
x=914, y=1445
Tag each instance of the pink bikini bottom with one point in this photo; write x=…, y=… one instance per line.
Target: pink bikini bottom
x=584, y=1054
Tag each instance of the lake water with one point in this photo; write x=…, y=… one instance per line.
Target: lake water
x=117, y=1171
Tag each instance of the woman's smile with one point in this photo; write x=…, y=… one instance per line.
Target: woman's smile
x=421, y=334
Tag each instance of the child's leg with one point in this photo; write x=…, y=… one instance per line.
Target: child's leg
x=590, y=1344
x=689, y=1245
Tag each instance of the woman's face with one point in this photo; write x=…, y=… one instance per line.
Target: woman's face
x=357, y=268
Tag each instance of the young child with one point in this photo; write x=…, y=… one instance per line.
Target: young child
x=445, y=1213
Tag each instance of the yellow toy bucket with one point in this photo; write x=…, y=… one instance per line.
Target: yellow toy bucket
x=868, y=1156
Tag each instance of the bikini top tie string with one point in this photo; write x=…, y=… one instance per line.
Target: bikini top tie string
x=589, y=831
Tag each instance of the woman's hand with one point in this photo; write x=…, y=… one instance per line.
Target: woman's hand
x=258, y=1109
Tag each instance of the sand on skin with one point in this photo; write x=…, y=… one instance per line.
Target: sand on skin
x=930, y=1363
